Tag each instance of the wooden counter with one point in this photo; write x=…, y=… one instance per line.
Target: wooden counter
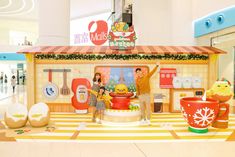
x=177, y=94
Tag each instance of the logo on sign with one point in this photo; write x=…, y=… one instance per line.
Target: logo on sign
x=81, y=38
x=98, y=31
x=121, y=36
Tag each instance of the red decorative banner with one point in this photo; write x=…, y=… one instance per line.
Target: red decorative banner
x=121, y=36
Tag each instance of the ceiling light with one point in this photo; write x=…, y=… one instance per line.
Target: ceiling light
x=6, y=6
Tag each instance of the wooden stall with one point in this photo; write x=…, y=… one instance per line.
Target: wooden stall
x=83, y=61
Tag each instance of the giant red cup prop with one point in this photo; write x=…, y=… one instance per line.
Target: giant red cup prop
x=198, y=113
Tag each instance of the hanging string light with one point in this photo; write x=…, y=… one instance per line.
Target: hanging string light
x=120, y=57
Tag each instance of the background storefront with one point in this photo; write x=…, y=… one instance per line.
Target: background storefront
x=217, y=30
x=11, y=64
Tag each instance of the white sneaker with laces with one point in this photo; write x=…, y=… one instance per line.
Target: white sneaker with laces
x=148, y=122
x=142, y=122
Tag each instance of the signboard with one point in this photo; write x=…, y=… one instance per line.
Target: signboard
x=98, y=31
x=12, y=57
x=90, y=31
x=81, y=38
x=121, y=36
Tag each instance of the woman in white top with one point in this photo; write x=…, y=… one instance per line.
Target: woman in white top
x=13, y=83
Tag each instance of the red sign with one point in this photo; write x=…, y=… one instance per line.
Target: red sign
x=98, y=31
x=121, y=36
x=166, y=77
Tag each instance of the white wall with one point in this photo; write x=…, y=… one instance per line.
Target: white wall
x=11, y=49
x=54, y=22
x=6, y=26
x=167, y=22
x=170, y=22
x=203, y=7
x=152, y=21
x=29, y=27
x=181, y=27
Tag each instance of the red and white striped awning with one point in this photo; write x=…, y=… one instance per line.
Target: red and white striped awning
x=136, y=50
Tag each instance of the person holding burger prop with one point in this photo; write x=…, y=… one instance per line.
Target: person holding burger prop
x=143, y=93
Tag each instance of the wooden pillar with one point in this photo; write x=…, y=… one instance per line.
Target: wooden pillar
x=213, y=67
x=30, y=62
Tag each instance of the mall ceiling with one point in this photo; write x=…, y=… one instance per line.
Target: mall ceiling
x=28, y=9
x=82, y=8
x=18, y=9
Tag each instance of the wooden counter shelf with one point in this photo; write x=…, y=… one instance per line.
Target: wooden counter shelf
x=177, y=93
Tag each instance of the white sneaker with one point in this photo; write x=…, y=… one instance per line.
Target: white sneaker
x=142, y=122
x=148, y=122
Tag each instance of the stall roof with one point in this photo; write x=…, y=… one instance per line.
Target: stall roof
x=136, y=50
